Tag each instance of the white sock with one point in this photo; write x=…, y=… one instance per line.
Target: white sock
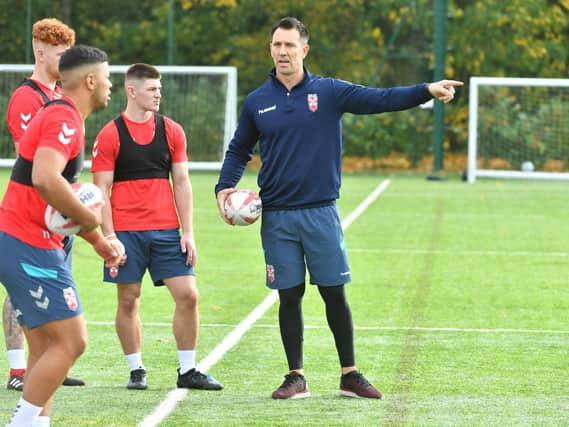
x=187, y=360
x=134, y=361
x=41, y=421
x=17, y=359
x=25, y=414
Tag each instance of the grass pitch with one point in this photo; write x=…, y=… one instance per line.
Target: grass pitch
x=459, y=299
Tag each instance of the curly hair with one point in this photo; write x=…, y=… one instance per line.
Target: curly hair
x=54, y=32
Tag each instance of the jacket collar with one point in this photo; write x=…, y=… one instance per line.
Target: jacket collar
x=305, y=79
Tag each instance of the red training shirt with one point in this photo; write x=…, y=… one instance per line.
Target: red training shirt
x=141, y=204
x=24, y=104
x=22, y=211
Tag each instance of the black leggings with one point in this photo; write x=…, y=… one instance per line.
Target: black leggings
x=339, y=319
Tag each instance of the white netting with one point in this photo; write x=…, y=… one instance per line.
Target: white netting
x=202, y=99
x=519, y=128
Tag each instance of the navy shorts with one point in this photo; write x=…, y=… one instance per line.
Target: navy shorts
x=38, y=281
x=68, y=248
x=157, y=251
x=310, y=239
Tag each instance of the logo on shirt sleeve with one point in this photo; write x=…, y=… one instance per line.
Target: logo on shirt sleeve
x=65, y=134
x=95, y=149
x=25, y=120
x=312, y=99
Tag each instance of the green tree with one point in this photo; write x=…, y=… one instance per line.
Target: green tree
x=380, y=42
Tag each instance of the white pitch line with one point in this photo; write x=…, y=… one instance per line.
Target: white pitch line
x=233, y=338
x=466, y=330
x=460, y=252
x=369, y=328
x=365, y=204
x=166, y=407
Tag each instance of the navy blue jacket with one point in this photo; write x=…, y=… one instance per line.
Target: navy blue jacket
x=300, y=136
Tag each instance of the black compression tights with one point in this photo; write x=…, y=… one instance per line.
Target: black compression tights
x=339, y=319
x=291, y=324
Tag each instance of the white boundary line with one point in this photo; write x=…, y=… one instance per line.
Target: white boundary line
x=365, y=204
x=365, y=328
x=459, y=252
x=166, y=407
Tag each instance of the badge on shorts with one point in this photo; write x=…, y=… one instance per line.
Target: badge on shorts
x=312, y=99
x=70, y=298
x=270, y=273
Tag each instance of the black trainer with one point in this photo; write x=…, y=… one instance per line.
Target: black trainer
x=354, y=384
x=195, y=379
x=137, y=380
x=293, y=387
x=73, y=382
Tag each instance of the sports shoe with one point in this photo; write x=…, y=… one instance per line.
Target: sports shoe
x=354, y=384
x=16, y=380
x=137, y=379
x=73, y=382
x=195, y=379
x=293, y=387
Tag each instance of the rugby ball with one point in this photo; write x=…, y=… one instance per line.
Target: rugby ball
x=243, y=207
x=89, y=194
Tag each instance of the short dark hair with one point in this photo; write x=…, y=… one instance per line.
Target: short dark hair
x=79, y=55
x=142, y=71
x=290, y=23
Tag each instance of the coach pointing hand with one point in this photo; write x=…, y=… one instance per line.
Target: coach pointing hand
x=443, y=90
